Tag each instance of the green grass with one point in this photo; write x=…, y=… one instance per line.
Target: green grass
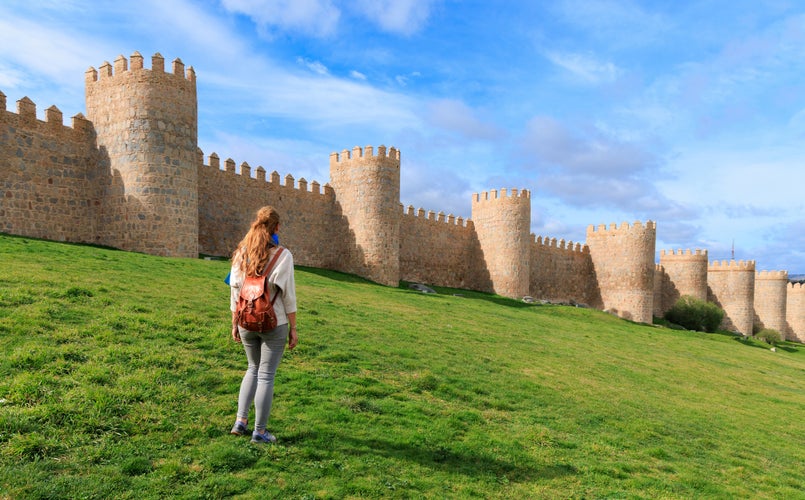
x=118, y=379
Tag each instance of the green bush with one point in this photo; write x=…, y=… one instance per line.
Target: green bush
x=769, y=336
x=695, y=314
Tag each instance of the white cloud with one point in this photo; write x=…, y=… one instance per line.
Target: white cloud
x=312, y=17
x=455, y=116
x=592, y=153
x=357, y=75
x=403, y=17
x=585, y=67
x=314, y=66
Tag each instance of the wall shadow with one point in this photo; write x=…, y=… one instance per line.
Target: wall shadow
x=443, y=459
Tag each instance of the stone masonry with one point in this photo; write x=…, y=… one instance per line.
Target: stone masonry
x=130, y=175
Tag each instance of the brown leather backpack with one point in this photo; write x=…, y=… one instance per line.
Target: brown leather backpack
x=255, y=312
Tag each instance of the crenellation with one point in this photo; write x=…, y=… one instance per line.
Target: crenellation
x=177, y=66
x=245, y=170
x=90, y=75
x=716, y=265
x=302, y=185
x=275, y=178
x=105, y=70
x=121, y=64
x=215, y=161
x=772, y=275
x=54, y=118
x=260, y=173
x=289, y=181
x=229, y=165
x=157, y=63
x=136, y=61
x=26, y=109
x=2, y=101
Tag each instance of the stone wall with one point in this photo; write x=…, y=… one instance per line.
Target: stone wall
x=131, y=176
x=731, y=286
x=683, y=273
x=562, y=272
x=439, y=249
x=770, y=300
x=310, y=222
x=50, y=182
x=795, y=312
x=623, y=267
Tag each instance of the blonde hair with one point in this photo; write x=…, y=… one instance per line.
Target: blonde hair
x=254, y=247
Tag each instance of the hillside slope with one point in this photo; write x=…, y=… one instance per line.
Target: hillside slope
x=118, y=379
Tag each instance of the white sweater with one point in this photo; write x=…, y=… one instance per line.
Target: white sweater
x=281, y=277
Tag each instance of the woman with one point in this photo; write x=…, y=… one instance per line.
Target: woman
x=263, y=350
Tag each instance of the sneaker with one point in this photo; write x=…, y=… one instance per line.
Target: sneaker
x=267, y=437
x=239, y=429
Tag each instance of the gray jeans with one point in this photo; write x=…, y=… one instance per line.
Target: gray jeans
x=264, y=353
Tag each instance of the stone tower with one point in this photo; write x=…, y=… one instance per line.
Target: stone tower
x=685, y=274
x=795, y=312
x=503, y=225
x=770, y=299
x=147, y=133
x=367, y=190
x=623, y=264
x=731, y=286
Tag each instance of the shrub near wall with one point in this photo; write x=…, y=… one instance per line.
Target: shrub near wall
x=695, y=314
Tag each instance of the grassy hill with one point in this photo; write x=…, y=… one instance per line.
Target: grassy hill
x=118, y=379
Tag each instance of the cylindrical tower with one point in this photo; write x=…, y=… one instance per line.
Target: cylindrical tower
x=503, y=225
x=686, y=275
x=770, y=300
x=147, y=131
x=623, y=263
x=731, y=286
x=367, y=190
x=795, y=312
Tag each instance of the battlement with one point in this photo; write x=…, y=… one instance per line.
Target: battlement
x=53, y=122
x=624, y=227
x=772, y=275
x=430, y=215
x=365, y=153
x=493, y=195
x=121, y=66
x=568, y=246
x=245, y=172
x=731, y=265
x=796, y=288
x=686, y=254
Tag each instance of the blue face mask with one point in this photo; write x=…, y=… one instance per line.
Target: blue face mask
x=275, y=239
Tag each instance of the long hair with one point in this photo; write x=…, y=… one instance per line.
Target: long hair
x=253, y=248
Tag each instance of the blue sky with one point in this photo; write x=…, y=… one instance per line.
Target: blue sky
x=691, y=114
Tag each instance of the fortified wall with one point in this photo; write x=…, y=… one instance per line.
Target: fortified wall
x=130, y=175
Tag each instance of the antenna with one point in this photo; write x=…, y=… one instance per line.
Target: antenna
x=733, y=249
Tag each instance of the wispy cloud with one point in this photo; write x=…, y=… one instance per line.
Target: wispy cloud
x=311, y=17
x=585, y=67
x=314, y=66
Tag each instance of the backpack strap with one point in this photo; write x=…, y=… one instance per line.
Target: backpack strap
x=270, y=266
